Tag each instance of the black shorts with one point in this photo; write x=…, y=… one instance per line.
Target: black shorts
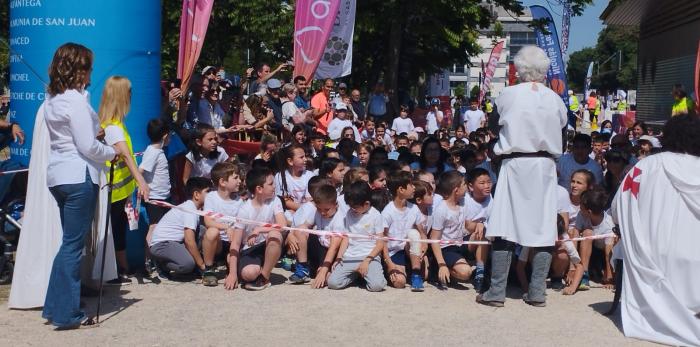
x=452, y=254
x=401, y=258
x=316, y=254
x=225, y=247
x=155, y=213
x=252, y=256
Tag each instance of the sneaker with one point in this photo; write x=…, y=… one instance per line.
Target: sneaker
x=209, y=278
x=300, y=275
x=527, y=300
x=480, y=299
x=261, y=283
x=287, y=263
x=478, y=279
x=121, y=280
x=557, y=284
x=416, y=283
x=585, y=282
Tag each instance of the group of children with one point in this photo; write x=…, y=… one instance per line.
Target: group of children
x=284, y=203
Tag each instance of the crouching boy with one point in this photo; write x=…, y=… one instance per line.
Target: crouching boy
x=360, y=256
x=173, y=245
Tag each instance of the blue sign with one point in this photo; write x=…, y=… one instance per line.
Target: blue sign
x=549, y=42
x=124, y=37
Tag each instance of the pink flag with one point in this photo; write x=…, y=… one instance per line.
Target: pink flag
x=193, y=28
x=490, y=69
x=313, y=23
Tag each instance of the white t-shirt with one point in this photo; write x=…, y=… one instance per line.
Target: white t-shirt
x=567, y=165
x=172, y=226
x=431, y=121
x=202, y=167
x=156, y=173
x=402, y=125
x=214, y=202
x=296, y=186
x=476, y=211
x=564, y=204
x=289, y=110
x=605, y=227
x=399, y=222
x=114, y=134
x=449, y=221
x=266, y=214
x=472, y=119
x=304, y=215
x=370, y=223
x=335, y=223
x=336, y=126
x=454, y=139
x=426, y=221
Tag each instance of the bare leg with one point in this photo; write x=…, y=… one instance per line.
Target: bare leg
x=210, y=244
x=273, y=250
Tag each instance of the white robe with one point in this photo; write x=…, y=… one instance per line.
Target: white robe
x=658, y=210
x=41, y=234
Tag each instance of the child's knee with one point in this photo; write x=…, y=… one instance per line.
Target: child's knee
x=462, y=271
x=334, y=282
x=250, y=273
x=212, y=234
x=274, y=236
x=376, y=284
x=184, y=268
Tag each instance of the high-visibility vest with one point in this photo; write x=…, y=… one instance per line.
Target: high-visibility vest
x=597, y=107
x=621, y=106
x=682, y=106
x=573, y=103
x=489, y=107
x=123, y=185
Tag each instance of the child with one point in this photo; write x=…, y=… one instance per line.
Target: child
x=336, y=126
x=377, y=177
x=423, y=198
x=321, y=250
x=301, y=217
x=352, y=176
x=217, y=239
x=459, y=136
x=401, y=141
x=204, y=155
x=255, y=249
x=400, y=216
x=174, y=245
x=360, y=256
x=477, y=204
x=403, y=124
x=115, y=104
x=333, y=169
x=367, y=133
x=154, y=168
x=291, y=185
x=449, y=222
x=592, y=220
x=429, y=178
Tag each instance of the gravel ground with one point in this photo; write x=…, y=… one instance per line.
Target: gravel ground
x=186, y=314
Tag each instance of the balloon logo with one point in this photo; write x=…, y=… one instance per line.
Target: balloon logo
x=557, y=86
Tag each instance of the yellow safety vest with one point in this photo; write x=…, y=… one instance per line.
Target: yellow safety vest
x=123, y=185
x=489, y=107
x=682, y=106
x=597, y=107
x=574, y=104
x=621, y=106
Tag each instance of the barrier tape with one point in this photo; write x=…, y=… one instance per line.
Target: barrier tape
x=223, y=217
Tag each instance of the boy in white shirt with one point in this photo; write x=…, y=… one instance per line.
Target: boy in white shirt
x=339, y=122
x=154, y=168
x=449, y=223
x=360, y=256
x=399, y=217
x=322, y=250
x=174, y=245
x=217, y=239
x=402, y=124
x=473, y=118
x=256, y=249
x=477, y=206
x=592, y=220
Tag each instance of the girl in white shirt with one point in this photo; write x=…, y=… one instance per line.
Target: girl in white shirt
x=403, y=124
x=204, y=154
x=291, y=184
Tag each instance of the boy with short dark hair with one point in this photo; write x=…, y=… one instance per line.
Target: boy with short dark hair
x=154, y=168
x=592, y=220
x=256, y=249
x=400, y=216
x=360, y=256
x=173, y=245
x=217, y=239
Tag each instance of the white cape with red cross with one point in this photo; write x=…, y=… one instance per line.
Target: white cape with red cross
x=658, y=210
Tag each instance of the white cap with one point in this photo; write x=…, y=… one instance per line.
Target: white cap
x=571, y=92
x=340, y=106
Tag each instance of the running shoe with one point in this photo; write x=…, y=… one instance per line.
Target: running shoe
x=121, y=280
x=478, y=279
x=417, y=283
x=300, y=275
x=209, y=278
x=261, y=283
x=585, y=282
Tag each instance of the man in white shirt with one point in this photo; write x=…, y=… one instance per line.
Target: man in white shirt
x=473, y=118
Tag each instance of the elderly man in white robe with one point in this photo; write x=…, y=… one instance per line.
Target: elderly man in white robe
x=524, y=209
x=658, y=209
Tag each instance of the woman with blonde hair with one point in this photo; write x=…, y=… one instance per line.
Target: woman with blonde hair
x=115, y=104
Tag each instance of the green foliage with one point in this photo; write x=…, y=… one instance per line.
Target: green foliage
x=609, y=75
x=474, y=93
x=459, y=91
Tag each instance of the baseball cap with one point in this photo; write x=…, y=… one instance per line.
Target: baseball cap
x=274, y=83
x=653, y=140
x=206, y=69
x=341, y=107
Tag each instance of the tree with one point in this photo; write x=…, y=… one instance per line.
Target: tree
x=577, y=68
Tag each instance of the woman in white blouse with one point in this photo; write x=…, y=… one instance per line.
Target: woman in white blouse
x=72, y=176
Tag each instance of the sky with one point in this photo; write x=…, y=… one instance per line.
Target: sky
x=584, y=29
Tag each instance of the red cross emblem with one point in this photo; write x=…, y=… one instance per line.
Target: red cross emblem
x=630, y=184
